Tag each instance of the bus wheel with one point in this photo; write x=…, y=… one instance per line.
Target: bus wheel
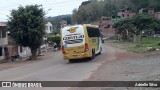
x=93, y=55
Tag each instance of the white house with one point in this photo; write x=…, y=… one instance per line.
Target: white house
x=3, y=40
x=49, y=28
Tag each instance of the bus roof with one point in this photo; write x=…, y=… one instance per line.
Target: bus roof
x=89, y=25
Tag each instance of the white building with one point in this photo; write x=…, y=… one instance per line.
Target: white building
x=3, y=40
x=49, y=28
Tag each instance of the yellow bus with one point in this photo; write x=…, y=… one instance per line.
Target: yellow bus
x=81, y=41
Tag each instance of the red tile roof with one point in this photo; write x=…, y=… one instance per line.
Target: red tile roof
x=2, y=25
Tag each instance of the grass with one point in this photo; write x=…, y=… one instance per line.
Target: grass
x=116, y=20
x=146, y=43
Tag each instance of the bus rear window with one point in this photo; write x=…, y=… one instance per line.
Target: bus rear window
x=93, y=32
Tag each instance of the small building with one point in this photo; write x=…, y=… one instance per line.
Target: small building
x=106, y=26
x=151, y=11
x=157, y=14
x=49, y=28
x=147, y=10
x=124, y=13
x=8, y=47
x=3, y=40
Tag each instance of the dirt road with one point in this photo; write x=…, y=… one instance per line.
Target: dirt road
x=126, y=66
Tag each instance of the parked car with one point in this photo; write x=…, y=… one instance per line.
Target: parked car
x=144, y=35
x=156, y=35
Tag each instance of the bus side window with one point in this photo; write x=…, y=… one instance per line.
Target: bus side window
x=93, y=32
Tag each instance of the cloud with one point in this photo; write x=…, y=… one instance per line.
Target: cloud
x=58, y=7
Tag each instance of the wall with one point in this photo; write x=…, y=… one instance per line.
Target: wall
x=157, y=14
x=106, y=26
x=3, y=41
x=26, y=52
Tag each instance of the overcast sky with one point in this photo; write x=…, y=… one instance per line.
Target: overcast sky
x=52, y=7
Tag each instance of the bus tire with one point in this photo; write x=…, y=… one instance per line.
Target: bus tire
x=93, y=55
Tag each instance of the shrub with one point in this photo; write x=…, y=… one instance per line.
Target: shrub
x=55, y=38
x=115, y=37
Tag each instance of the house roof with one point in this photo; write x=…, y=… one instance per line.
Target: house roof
x=2, y=25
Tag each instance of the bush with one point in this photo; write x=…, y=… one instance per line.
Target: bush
x=115, y=37
x=150, y=40
x=55, y=38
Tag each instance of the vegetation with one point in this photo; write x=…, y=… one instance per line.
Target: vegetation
x=55, y=38
x=26, y=26
x=148, y=44
x=137, y=24
x=92, y=10
x=56, y=21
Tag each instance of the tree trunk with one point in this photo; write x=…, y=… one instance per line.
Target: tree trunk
x=34, y=53
x=137, y=39
x=39, y=51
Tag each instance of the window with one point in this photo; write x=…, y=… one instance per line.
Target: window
x=21, y=49
x=122, y=15
x=50, y=28
x=3, y=33
x=93, y=32
x=0, y=51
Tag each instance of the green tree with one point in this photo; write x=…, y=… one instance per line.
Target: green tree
x=137, y=24
x=92, y=10
x=55, y=38
x=26, y=26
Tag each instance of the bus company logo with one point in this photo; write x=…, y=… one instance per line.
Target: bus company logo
x=72, y=30
x=6, y=84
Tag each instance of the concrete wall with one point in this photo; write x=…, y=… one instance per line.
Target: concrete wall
x=3, y=41
x=26, y=52
x=1, y=58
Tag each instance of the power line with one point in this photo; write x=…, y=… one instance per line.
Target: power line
x=60, y=4
x=55, y=4
x=48, y=4
x=63, y=2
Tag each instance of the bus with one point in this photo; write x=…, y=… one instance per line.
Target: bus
x=80, y=41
